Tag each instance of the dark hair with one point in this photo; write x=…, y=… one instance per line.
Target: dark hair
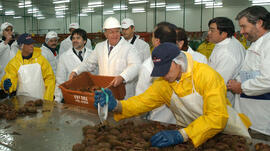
x=165, y=32
x=181, y=35
x=223, y=25
x=255, y=13
x=80, y=32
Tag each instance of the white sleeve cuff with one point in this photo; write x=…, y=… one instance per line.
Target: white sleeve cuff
x=184, y=134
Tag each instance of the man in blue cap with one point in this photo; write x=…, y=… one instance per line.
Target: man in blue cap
x=29, y=73
x=194, y=92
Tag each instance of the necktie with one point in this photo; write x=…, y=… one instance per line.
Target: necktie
x=80, y=55
x=111, y=47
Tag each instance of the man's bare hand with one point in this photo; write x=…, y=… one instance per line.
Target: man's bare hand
x=117, y=81
x=72, y=75
x=234, y=86
x=8, y=38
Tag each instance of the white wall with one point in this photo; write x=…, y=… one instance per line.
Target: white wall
x=143, y=21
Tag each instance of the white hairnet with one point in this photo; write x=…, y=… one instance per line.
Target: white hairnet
x=74, y=25
x=181, y=60
x=4, y=26
x=50, y=35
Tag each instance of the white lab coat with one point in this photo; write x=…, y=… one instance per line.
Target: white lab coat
x=163, y=113
x=67, y=44
x=6, y=54
x=67, y=62
x=142, y=48
x=123, y=60
x=53, y=60
x=197, y=56
x=227, y=59
x=256, y=82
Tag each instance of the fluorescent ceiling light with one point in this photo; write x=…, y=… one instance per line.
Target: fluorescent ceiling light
x=17, y=17
x=59, y=13
x=108, y=12
x=214, y=5
x=260, y=4
x=22, y=6
x=260, y=1
x=24, y=3
x=174, y=7
x=82, y=14
x=41, y=17
x=60, y=9
x=117, y=7
x=38, y=15
x=199, y=2
x=96, y=4
x=137, y=1
x=60, y=6
x=138, y=10
x=61, y=1
x=10, y=12
x=60, y=16
x=88, y=10
x=160, y=4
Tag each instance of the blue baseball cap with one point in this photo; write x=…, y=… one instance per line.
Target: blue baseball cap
x=25, y=39
x=162, y=57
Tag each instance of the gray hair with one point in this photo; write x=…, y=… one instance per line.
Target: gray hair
x=181, y=60
x=255, y=13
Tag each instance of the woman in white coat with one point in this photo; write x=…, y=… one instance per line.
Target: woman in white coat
x=8, y=49
x=70, y=60
x=113, y=57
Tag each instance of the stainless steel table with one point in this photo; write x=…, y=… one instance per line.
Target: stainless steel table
x=57, y=129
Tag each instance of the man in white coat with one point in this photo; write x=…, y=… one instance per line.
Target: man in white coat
x=49, y=49
x=182, y=43
x=8, y=49
x=228, y=54
x=67, y=43
x=71, y=59
x=163, y=32
x=128, y=32
x=253, y=82
x=113, y=57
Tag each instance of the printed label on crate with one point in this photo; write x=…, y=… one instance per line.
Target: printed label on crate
x=81, y=99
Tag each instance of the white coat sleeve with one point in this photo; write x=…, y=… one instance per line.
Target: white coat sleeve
x=89, y=64
x=144, y=80
x=61, y=77
x=61, y=49
x=225, y=66
x=3, y=47
x=204, y=59
x=146, y=52
x=89, y=44
x=64, y=46
x=260, y=84
x=133, y=66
